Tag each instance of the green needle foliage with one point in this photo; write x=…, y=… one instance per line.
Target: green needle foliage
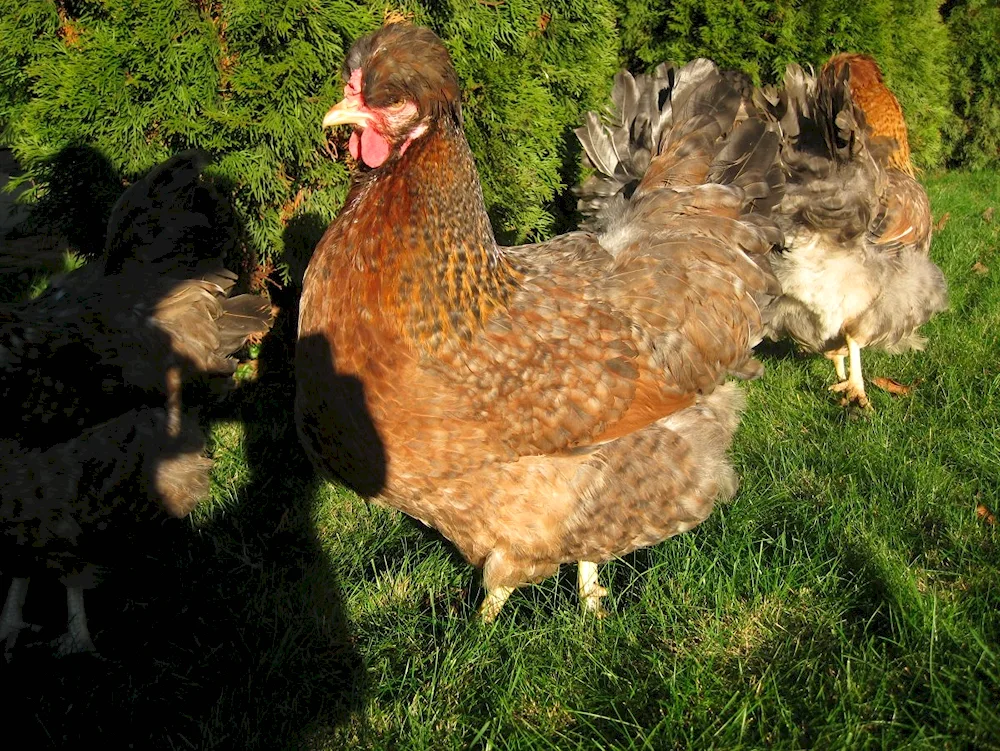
x=907, y=37
x=94, y=92
x=975, y=29
x=249, y=80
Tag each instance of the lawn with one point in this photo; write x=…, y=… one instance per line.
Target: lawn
x=847, y=597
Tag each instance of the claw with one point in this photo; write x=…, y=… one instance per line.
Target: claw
x=853, y=396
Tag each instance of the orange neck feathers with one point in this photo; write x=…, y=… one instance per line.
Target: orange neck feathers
x=882, y=111
x=417, y=229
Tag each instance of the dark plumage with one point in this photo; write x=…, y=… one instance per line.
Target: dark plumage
x=856, y=272
x=99, y=374
x=540, y=404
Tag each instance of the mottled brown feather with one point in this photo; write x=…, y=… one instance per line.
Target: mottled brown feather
x=541, y=403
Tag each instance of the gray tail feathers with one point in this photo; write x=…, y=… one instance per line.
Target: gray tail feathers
x=819, y=121
x=831, y=172
x=620, y=145
x=666, y=128
x=749, y=160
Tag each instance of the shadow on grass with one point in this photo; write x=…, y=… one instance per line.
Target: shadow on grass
x=231, y=635
x=783, y=349
x=227, y=632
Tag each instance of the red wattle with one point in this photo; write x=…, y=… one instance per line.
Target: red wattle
x=374, y=148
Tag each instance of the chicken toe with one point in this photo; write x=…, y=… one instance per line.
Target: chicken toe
x=852, y=394
x=590, y=589
x=854, y=386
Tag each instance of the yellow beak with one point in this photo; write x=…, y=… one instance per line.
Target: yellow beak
x=346, y=112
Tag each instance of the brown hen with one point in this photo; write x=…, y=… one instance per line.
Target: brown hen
x=540, y=404
x=99, y=375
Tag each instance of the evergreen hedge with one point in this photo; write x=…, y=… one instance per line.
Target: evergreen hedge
x=761, y=37
x=94, y=92
x=975, y=30
x=249, y=80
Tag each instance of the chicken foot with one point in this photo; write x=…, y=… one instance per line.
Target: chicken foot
x=77, y=637
x=590, y=589
x=854, y=385
x=12, y=616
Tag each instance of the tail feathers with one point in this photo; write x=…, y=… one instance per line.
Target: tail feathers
x=749, y=161
x=678, y=127
x=709, y=99
x=821, y=125
x=621, y=145
x=843, y=121
x=788, y=105
x=833, y=177
x=701, y=114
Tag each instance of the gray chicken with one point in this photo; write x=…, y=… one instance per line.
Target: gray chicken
x=856, y=271
x=99, y=375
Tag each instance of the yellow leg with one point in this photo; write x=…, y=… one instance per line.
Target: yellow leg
x=590, y=589
x=840, y=367
x=494, y=602
x=854, y=385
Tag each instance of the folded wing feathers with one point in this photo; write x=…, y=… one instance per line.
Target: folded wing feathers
x=243, y=317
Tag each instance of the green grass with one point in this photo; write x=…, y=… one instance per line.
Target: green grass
x=847, y=598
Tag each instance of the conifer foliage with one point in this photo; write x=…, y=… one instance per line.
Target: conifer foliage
x=761, y=37
x=975, y=30
x=94, y=92
x=249, y=80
